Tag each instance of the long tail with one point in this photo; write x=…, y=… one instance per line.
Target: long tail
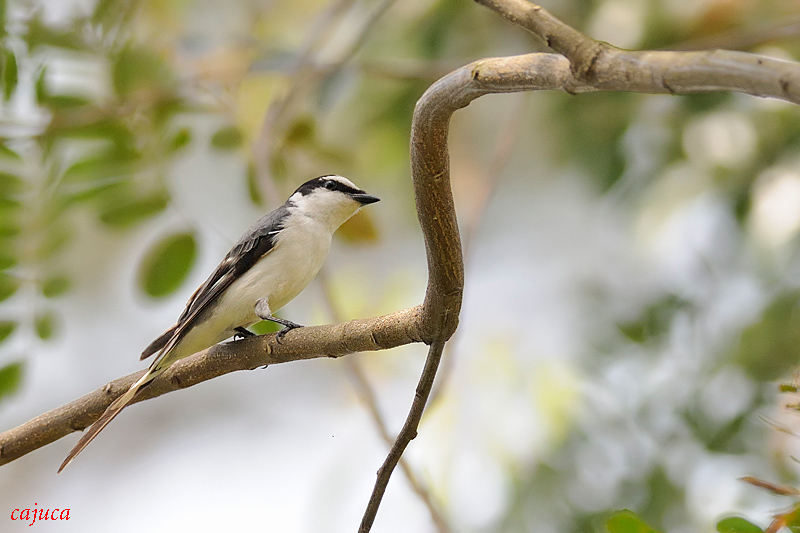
x=111, y=411
x=158, y=344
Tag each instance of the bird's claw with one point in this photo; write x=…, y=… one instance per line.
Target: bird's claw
x=286, y=328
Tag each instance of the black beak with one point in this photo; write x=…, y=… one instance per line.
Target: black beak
x=364, y=198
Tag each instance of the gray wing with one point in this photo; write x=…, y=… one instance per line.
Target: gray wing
x=257, y=241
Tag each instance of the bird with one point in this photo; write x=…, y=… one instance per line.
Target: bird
x=275, y=259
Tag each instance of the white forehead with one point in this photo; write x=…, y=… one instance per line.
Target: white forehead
x=341, y=179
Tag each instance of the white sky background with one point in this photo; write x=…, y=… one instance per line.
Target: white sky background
x=290, y=449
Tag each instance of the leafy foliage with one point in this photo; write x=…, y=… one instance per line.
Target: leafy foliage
x=227, y=138
x=736, y=524
x=96, y=153
x=55, y=286
x=628, y=522
x=10, y=378
x=7, y=327
x=45, y=325
x=167, y=264
x=770, y=347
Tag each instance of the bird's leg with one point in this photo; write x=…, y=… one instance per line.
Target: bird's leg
x=263, y=312
x=242, y=333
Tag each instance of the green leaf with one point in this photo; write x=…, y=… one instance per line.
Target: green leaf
x=7, y=327
x=39, y=34
x=105, y=11
x=626, y=521
x=252, y=185
x=792, y=518
x=6, y=260
x=9, y=184
x=128, y=213
x=41, y=86
x=770, y=347
x=227, y=138
x=735, y=524
x=785, y=387
x=704, y=102
x=102, y=166
x=140, y=69
x=8, y=286
x=9, y=203
x=264, y=327
x=3, y=32
x=7, y=152
x=10, y=379
x=9, y=74
x=63, y=101
x=97, y=190
x=182, y=138
x=9, y=228
x=302, y=131
x=655, y=321
x=166, y=107
x=104, y=128
x=55, y=286
x=9, y=218
x=166, y=265
x=45, y=325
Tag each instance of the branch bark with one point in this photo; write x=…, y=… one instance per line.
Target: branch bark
x=380, y=333
x=585, y=66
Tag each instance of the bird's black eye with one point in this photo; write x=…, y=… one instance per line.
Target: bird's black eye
x=330, y=185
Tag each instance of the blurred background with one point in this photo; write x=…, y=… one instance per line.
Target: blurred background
x=631, y=300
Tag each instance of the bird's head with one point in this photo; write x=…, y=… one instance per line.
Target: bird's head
x=331, y=199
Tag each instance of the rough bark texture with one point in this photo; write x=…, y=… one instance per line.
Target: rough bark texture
x=335, y=340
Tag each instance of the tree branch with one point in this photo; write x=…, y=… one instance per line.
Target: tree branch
x=595, y=65
x=587, y=65
x=380, y=333
x=368, y=397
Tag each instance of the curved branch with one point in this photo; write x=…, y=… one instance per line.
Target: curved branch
x=591, y=66
x=596, y=65
x=380, y=333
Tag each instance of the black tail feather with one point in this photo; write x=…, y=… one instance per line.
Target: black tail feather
x=158, y=344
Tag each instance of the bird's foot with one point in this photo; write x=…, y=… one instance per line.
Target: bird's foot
x=263, y=312
x=287, y=326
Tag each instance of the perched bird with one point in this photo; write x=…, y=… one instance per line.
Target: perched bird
x=273, y=262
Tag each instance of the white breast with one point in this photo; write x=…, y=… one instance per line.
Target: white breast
x=281, y=274
x=278, y=276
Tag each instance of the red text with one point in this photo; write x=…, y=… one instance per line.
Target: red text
x=39, y=514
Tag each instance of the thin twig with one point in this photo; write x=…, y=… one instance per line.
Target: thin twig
x=368, y=398
x=406, y=435
x=263, y=145
x=588, y=66
x=742, y=39
x=306, y=74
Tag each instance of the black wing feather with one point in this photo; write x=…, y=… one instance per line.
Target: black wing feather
x=257, y=241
